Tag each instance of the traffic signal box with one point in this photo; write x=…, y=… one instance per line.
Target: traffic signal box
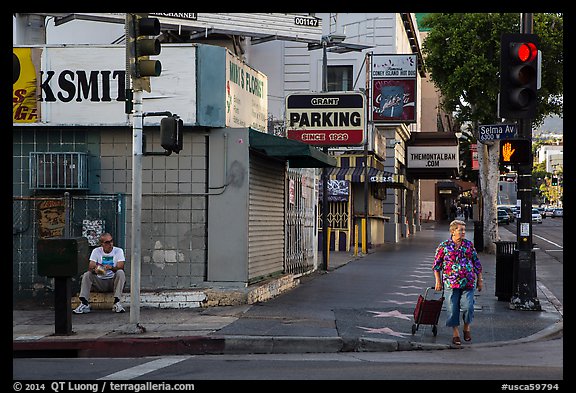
x=518, y=76
x=171, y=133
x=141, y=43
x=515, y=151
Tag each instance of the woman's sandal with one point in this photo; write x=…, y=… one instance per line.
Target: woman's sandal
x=467, y=336
x=456, y=341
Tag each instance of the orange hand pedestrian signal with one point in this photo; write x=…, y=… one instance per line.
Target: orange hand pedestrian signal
x=507, y=152
x=515, y=151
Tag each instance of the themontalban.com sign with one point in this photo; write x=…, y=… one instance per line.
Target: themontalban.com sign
x=432, y=157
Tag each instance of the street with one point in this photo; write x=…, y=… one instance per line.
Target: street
x=535, y=361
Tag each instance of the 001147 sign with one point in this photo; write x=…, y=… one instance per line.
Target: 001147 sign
x=326, y=119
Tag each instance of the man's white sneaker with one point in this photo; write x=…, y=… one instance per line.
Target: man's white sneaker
x=118, y=307
x=82, y=309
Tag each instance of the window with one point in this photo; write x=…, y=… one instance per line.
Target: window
x=340, y=78
x=58, y=170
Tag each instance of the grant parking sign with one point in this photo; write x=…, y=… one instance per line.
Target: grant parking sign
x=326, y=119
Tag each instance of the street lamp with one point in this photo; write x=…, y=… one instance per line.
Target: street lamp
x=334, y=42
x=327, y=40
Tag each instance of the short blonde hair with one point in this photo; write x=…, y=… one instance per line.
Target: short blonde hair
x=456, y=223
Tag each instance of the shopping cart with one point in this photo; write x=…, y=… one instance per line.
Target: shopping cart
x=427, y=310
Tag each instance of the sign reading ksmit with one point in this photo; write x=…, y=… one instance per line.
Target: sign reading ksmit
x=326, y=119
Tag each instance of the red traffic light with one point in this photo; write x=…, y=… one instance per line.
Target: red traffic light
x=519, y=55
x=524, y=51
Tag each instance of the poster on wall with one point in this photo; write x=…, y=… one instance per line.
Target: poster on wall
x=394, y=80
x=91, y=230
x=338, y=190
x=51, y=218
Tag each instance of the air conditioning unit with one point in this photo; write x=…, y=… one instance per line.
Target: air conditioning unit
x=58, y=171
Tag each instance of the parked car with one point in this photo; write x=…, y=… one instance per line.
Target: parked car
x=503, y=217
x=542, y=211
x=548, y=211
x=516, y=211
x=536, y=217
x=510, y=212
x=558, y=213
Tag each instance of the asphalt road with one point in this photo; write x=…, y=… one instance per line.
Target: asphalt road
x=535, y=361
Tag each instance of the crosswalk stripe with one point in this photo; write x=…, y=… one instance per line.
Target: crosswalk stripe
x=136, y=371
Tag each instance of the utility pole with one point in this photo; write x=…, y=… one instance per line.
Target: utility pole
x=325, y=240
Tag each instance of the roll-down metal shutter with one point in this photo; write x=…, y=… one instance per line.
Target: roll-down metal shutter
x=266, y=218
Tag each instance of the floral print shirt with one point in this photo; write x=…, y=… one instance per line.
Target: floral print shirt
x=460, y=266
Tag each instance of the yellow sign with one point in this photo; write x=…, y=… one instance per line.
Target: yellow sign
x=25, y=85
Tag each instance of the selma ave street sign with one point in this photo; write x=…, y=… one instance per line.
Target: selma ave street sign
x=496, y=131
x=326, y=119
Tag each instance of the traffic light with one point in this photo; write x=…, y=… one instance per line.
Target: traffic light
x=515, y=151
x=171, y=133
x=518, y=76
x=141, y=43
x=554, y=181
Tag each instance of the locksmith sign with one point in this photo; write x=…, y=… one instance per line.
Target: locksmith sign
x=432, y=157
x=326, y=119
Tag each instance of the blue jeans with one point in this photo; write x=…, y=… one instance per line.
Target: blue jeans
x=459, y=300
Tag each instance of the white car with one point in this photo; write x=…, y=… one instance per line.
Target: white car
x=536, y=216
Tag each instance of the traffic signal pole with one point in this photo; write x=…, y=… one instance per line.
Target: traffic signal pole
x=524, y=296
x=136, y=237
x=139, y=46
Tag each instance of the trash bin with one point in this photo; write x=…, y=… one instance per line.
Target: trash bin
x=479, y=236
x=504, y=270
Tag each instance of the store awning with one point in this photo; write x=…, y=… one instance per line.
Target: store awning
x=352, y=168
x=356, y=174
x=298, y=154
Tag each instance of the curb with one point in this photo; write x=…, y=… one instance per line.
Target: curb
x=236, y=345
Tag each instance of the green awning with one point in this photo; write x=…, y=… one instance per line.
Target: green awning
x=298, y=154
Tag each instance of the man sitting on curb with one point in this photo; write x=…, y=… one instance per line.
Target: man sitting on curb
x=105, y=273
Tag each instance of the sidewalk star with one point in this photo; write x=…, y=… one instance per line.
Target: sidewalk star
x=399, y=302
x=384, y=331
x=393, y=314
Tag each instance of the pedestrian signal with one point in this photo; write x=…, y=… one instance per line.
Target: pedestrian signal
x=171, y=133
x=515, y=151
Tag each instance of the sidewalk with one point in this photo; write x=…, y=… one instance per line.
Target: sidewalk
x=362, y=303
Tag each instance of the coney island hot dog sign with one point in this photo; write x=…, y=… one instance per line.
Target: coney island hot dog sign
x=394, y=88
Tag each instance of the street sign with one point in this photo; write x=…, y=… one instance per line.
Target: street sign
x=326, y=119
x=496, y=131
